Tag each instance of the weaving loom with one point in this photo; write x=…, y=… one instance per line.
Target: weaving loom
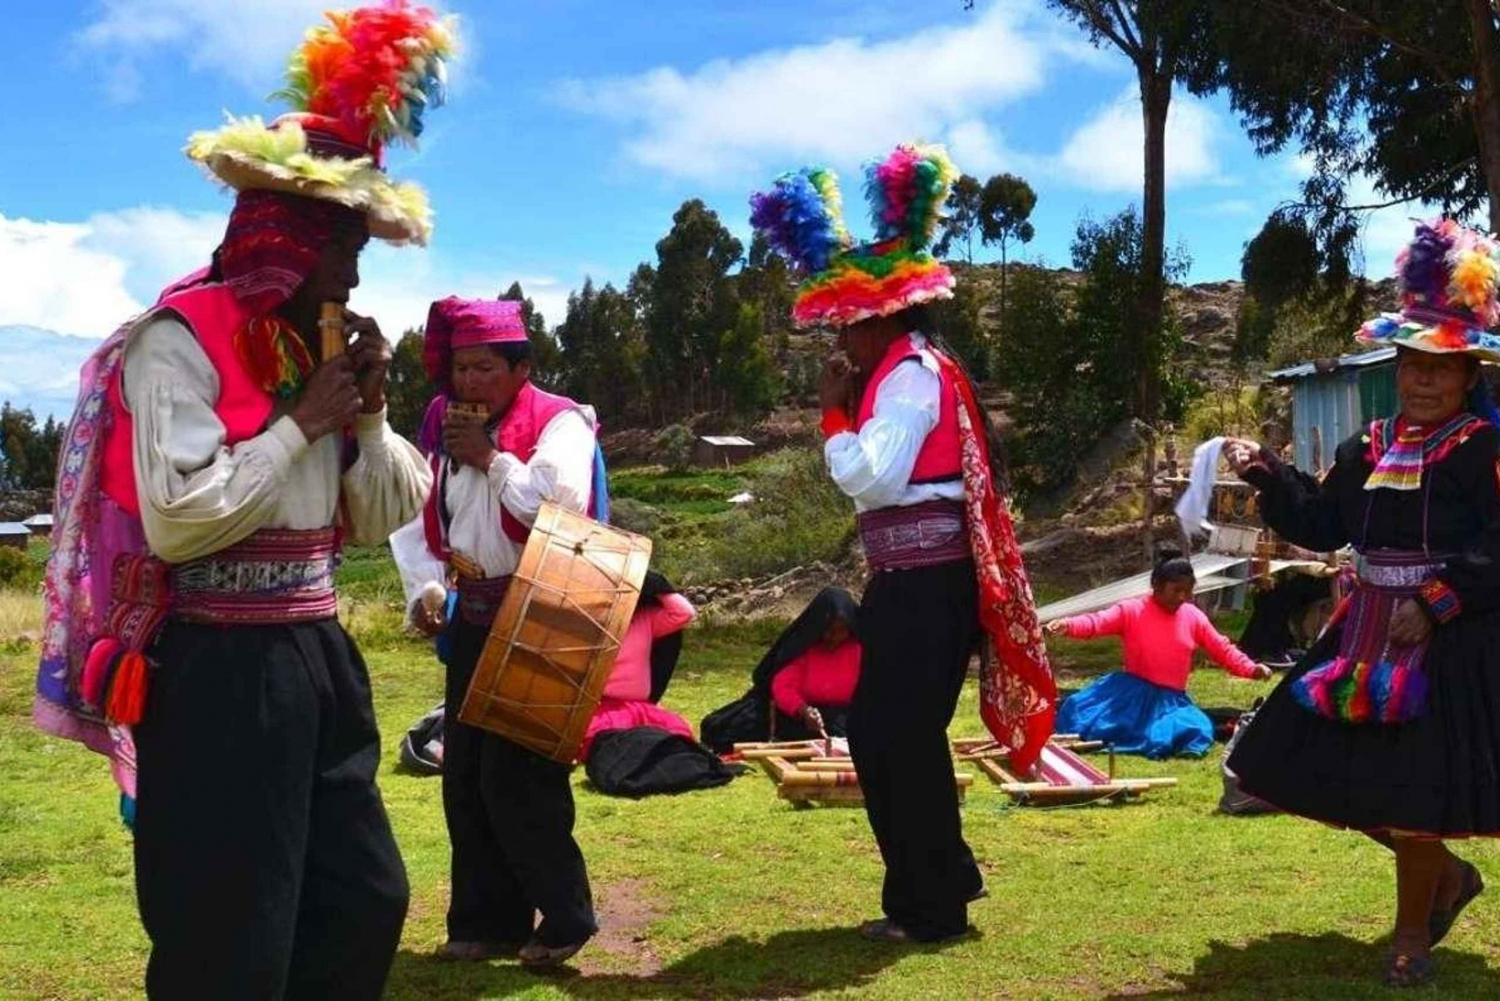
x=1063, y=775
x=815, y=771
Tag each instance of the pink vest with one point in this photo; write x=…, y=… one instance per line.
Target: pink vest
x=519, y=430
x=940, y=459
x=214, y=316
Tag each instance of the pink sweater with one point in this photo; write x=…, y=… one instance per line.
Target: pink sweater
x=1159, y=645
x=820, y=676
x=630, y=678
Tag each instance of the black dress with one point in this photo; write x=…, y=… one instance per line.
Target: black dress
x=1439, y=773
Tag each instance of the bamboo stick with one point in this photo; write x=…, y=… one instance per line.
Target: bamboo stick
x=331, y=330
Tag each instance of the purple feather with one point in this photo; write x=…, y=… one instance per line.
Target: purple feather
x=1424, y=267
x=797, y=222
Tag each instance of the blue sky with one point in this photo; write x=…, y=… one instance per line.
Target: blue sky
x=576, y=128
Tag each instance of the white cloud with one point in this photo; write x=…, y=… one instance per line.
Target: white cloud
x=398, y=284
x=1228, y=207
x=247, y=41
x=54, y=279
x=840, y=101
x=86, y=278
x=1105, y=153
x=980, y=150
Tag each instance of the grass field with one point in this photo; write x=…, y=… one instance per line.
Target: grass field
x=731, y=893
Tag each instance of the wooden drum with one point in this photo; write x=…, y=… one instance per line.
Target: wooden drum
x=557, y=632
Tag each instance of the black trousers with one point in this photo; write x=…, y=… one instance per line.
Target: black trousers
x=510, y=824
x=919, y=628
x=264, y=862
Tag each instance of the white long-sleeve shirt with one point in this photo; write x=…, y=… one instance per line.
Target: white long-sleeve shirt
x=560, y=470
x=199, y=496
x=874, y=466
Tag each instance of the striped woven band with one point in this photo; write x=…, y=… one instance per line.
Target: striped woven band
x=929, y=534
x=275, y=576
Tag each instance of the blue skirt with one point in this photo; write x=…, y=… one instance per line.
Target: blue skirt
x=1137, y=717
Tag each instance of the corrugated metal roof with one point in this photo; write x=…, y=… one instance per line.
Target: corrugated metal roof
x=38, y=519
x=13, y=528
x=727, y=439
x=1376, y=357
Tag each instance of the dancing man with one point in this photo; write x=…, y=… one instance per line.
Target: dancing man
x=912, y=448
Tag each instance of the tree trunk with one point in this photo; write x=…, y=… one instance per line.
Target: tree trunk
x=1156, y=99
x=1486, y=98
x=1004, y=269
x=1148, y=497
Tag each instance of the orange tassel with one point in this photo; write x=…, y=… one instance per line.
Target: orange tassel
x=127, y=694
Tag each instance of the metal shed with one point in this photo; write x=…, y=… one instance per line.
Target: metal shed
x=14, y=534
x=722, y=450
x=40, y=524
x=1333, y=399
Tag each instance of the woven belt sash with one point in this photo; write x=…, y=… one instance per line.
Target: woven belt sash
x=1369, y=680
x=479, y=599
x=929, y=534
x=273, y=577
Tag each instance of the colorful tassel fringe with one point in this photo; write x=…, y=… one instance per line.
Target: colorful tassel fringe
x=96, y=667
x=126, y=701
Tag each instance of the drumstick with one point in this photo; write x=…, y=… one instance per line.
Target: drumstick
x=331, y=329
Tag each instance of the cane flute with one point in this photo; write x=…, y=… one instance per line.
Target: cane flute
x=331, y=330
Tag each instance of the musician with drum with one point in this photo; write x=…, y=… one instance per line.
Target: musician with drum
x=499, y=447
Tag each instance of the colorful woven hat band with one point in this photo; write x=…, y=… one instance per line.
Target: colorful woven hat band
x=801, y=217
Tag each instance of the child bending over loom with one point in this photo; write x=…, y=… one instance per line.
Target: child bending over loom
x=1145, y=709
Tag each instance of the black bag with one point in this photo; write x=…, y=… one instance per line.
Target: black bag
x=421, y=751
x=643, y=760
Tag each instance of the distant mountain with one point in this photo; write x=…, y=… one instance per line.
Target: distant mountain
x=39, y=369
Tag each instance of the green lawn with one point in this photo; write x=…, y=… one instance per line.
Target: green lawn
x=731, y=893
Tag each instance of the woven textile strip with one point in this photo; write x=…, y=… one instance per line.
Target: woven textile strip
x=479, y=599
x=1401, y=452
x=1369, y=680
x=275, y=576
x=919, y=535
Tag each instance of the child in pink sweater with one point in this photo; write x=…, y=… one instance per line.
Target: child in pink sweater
x=1144, y=709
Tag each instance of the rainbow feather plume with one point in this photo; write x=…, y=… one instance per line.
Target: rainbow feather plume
x=802, y=217
x=906, y=192
x=376, y=68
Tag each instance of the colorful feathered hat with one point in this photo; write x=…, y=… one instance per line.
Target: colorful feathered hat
x=1450, y=294
x=358, y=83
x=802, y=218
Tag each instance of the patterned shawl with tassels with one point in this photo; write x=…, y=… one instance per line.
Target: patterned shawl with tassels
x=1017, y=693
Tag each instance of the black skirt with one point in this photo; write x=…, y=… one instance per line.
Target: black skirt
x=1439, y=774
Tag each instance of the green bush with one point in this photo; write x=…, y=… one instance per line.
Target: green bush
x=14, y=566
x=674, y=447
x=634, y=516
x=798, y=517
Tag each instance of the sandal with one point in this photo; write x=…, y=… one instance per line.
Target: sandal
x=476, y=952
x=1404, y=970
x=534, y=955
x=883, y=930
x=1441, y=922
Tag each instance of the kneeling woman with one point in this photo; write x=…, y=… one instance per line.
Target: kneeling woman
x=645, y=663
x=802, y=687
x=1145, y=709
